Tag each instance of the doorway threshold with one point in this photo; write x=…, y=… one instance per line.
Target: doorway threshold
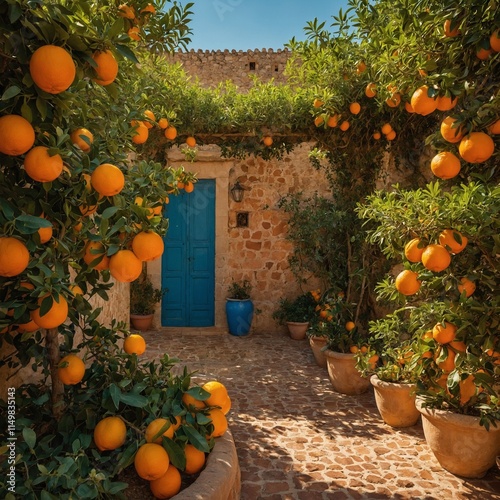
x=194, y=330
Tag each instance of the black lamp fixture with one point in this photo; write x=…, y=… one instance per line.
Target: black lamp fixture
x=237, y=191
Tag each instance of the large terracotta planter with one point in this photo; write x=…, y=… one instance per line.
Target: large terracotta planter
x=395, y=402
x=297, y=330
x=317, y=344
x=142, y=322
x=343, y=374
x=460, y=444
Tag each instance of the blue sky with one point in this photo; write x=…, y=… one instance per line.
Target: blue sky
x=255, y=24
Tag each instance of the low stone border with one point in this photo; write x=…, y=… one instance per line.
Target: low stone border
x=221, y=477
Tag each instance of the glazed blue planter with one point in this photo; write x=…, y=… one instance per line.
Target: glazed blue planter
x=239, y=315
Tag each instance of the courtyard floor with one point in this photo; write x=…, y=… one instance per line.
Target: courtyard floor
x=296, y=438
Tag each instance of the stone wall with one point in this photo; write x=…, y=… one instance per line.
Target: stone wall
x=214, y=67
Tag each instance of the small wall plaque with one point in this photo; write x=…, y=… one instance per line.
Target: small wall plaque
x=242, y=219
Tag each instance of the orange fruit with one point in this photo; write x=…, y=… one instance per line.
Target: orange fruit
x=372, y=361
x=107, y=179
x=52, y=69
x=134, y=33
x=495, y=355
x=148, y=9
x=125, y=266
x=110, y=433
x=467, y=389
x=267, y=140
x=140, y=134
x=189, y=187
x=55, y=316
x=189, y=400
x=17, y=135
x=407, y=282
x=477, y=147
x=391, y=135
x=467, y=286
x=333, y=121
x=71, y=370
x=147, y=245
x=371, y=90
x=448, y=31
x=319, y=120
x=421, y=103
x=408, y=107
x=30, y=326
x=449, y=132
x=42, y=167
x=448, y=364
x=14, y=256
x=226, y=406
x=151, y=461
x=436, y=258
x=414, y=250
x=195, y=459
x=394, y=100
x=219, y=422
x=376, y=135
x=218, y=393
x=445, y=165
x=75, y=290
x=317, y=103
x=191, y=141
x=495, y=41
x=355, y=108
x=106, y=67
x=483, y=53
x=126, y=11
x=445, y=103
x=95, y=250
x=353, y=349
x=157, y=425
x=386, y=128
x=163, y=123
x=360, y=67
x=167, y=485
x=350, y=325
x=344, y=125
x=452, y=240
x=443, y=334
x=151, y=116
x=45, y=234
x=458, y=346
x=171, y=133
x=494, y=128
x=134, y=344
x=82, y=138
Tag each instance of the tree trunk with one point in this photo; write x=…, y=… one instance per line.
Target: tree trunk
x=52, y=346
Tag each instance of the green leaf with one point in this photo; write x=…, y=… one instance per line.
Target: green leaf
x=196, y=439
x=10, y=92
x=175, y=453
x=125, y=51
x=135, y=400
x=115, y=394
x=29, y=436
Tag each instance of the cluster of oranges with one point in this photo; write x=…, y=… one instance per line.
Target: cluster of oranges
x=152, y=461
x=140, y=129
x=135, y=20
x=332, y=119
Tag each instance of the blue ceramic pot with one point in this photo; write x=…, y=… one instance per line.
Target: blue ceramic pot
x=239, y=315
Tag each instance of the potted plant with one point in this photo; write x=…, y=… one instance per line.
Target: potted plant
x=296, y=314
x=143, y=299
x=239, y=308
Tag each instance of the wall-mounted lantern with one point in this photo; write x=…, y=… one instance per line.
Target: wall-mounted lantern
x=237, y=192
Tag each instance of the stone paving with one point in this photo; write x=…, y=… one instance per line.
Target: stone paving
x=296, y=438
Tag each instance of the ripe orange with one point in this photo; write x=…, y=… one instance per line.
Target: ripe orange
x=163, y=123
x=125, y=266
x=355, y=108
x=149, y=114
x=350, y=325
x=151, y=461
x=170, y=133
x=267, y=140
x=14, y=256
x=42, y=167
x=110, y=433
x=189, y=400
x=156, y=426
x=134, y=344
x=477, y=147
x=52, y=69
x=95, y=250
x=353, y=349
x=436, y=258
x=494, y=128
x=394, y=100
x=75, y=290
x=191, y=141
x=483, y=53
x=107, y=67
x=391, y=135
x=407, y=282
x=449, y=132
x=495, y=355
x=467, y=286
x=148, y=9
x=55, y=316
x=218, y=393
x=448, y=364
x=360, y=67
x=421, y=103
x=45, y=234
x=318, y=103
x=126, y=11
x=226, y=406
x=16, y=135
x=452, y=240
x=195, y=459
x=107, y=179
x=443, y=334
x=134, y=33
x=167, y=485
x=30, y=326
x=333, y=121
x=467, y=389
x=495, y=41
x=147, y=245
x=82, y=138
x=445, y=103
x=344, y=125
x=376, y=135
x=445, y=165
x=386, y=128
x=189, y=187
x=408, y=107
x=319, y=120
x=450, y=32
x=219, y=422
x=371, y=90
x=71, y=370
x=414, y=250
x=141, y=133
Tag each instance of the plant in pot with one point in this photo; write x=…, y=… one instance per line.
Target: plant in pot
x=144, y=297
x=239, y=308
x=450, y=282
x=296, y=314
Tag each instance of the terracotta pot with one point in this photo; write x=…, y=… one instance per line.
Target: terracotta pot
x=296, y=330
x=343, y=374
x=142, y=322
x=395, y=402
x=317, y=344
x=460, y=444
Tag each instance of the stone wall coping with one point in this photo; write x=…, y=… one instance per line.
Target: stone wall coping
x=233, y=51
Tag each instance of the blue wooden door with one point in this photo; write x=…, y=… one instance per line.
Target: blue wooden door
x=188, y=263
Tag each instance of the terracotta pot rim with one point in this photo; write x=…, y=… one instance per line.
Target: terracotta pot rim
x=335, y=354
x=141, y=315
x=297, y=323
x=376, y=382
